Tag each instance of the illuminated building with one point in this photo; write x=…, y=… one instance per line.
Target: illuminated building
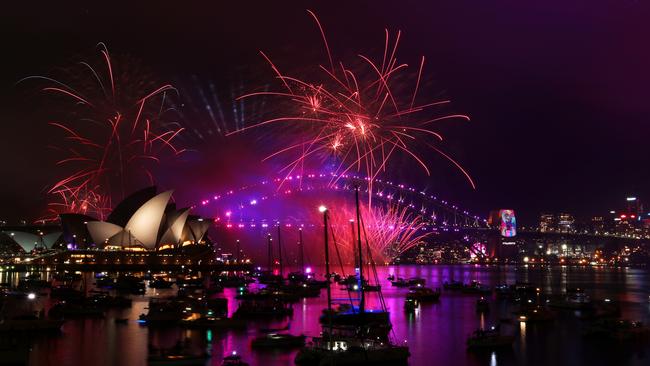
x=634, y=206
x=547, y=223
x=597, y=224
x=565, y=223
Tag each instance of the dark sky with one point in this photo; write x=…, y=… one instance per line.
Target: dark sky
x=558, y=91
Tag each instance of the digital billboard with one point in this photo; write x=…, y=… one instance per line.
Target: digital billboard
x=508, y=224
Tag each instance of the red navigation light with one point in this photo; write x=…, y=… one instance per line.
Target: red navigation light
x=632, y=216
x=623, y=216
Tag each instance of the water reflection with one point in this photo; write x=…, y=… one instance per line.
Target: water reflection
x=434, y=331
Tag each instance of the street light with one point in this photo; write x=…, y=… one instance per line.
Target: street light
x=322, y=209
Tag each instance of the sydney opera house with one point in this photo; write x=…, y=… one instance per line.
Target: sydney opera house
x=145, y=228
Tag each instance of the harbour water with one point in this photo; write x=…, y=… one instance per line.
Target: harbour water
x=436, y=333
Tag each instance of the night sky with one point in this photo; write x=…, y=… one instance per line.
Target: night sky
x=558, y=92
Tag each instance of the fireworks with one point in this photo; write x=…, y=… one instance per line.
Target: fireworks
x=389, y=231
x=360, y=115
x=114, y=129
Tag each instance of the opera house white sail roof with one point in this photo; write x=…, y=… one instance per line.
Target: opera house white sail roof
x=151, y=222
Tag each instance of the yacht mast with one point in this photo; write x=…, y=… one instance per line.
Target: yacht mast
x=362, y=302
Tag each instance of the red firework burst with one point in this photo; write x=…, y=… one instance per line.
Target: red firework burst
x=114, y=130
x=358, y=116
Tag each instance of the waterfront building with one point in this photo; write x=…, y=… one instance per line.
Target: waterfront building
x=547, y=223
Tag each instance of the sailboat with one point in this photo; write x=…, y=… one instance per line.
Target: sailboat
x=353, y=335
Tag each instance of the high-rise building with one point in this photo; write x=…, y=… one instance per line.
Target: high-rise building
x=546, y=223
x=565, y=223
x=597, y=224
x=634, y=206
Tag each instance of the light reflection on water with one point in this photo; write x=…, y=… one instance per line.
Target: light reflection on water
x=436, y=333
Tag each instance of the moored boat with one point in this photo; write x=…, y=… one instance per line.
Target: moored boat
x=574, y=300
x=233, y=360
x=423, y=294
x=410, y=305
x=482, y=305
x=352, y=352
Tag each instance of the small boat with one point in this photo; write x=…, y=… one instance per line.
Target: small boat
x=190, y=281
x=489, y=339
x=410, y=305
x=416, y=281
x=297, y=277
x=278, y=340
x=366, y=287
x=536, y=314
x=231, y=281
x=263, y=307
x=475, y=287
x=602, y=309
x=575, y=299
x=372, y=288
x=482, y=305
x=400, y=282
x=423, y=294
x=130, y=284
x=410, y=282
x=352, y=352
x=295, y=291
x=233, y=360
x=269, y=278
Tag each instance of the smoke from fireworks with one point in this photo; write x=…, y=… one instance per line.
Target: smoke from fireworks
x=114, y=129
x=360, y=115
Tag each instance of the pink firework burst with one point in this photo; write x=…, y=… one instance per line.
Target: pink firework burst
x=389, y=231
x=360, y=115
x=114, y=128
